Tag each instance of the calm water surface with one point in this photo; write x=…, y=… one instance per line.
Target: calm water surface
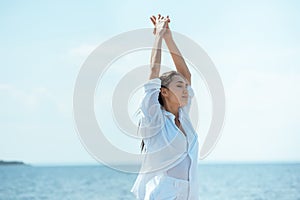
x=217, y=182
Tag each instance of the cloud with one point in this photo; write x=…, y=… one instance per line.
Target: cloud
x=31, y=100
x=265, y=91
x=83, y=50
x=5, y=87
x=262, y=117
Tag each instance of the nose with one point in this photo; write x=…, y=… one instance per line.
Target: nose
x=185, y=91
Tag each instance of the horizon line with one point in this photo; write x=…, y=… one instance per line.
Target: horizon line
x=134, y=164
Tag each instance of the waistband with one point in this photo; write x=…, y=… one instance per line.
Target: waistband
x=178, y=183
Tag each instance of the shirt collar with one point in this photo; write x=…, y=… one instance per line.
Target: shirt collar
x=169, y=114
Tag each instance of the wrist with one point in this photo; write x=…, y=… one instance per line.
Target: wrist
x=158, y=38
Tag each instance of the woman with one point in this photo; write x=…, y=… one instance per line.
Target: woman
x=170, y=145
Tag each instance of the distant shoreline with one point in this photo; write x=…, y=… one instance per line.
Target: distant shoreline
x=2, y=162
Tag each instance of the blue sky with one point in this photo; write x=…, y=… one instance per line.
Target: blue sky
x=255, y=46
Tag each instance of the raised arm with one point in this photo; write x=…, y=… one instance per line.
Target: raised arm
x=155, y=60
x=159, y=30
x=178, y=60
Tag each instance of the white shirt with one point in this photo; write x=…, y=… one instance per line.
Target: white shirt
x=166, y=146
x=181, y=170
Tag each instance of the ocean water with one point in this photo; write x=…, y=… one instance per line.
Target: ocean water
x=217, y=182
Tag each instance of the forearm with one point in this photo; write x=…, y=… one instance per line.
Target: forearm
x=155, y=60
x=178, y=60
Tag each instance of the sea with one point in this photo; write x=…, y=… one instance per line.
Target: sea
x=270, y=181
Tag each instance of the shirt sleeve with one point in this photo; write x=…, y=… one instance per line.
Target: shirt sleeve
x=151, y=118
x=187, y=107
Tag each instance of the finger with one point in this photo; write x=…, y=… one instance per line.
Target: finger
x=159, y=16
x=154, y=17
x=168, y=19
x=153, y=21
x=162, y=17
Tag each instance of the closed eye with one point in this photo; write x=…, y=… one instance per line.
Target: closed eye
x=180, y=86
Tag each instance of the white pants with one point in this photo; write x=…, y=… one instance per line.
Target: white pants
x=167, y=188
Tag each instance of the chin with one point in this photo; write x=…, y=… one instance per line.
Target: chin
x=183, y=104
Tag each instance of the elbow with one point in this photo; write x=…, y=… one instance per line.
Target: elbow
x=188, y=77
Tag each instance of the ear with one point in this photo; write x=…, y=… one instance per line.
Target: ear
x=164, y=91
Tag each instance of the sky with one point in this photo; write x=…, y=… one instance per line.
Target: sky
x=254, y=45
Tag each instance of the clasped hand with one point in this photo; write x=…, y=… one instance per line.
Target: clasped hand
x=161, y=26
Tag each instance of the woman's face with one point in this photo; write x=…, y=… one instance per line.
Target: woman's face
x=177, y=92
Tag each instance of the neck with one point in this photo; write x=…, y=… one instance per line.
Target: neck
x=172, y=109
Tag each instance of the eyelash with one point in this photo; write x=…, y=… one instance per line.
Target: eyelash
x=180, y=86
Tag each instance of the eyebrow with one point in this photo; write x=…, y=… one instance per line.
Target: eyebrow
x=181, y=82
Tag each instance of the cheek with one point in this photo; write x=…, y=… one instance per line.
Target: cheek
x=178, y=91
x=173, y=95
x=177, y=94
